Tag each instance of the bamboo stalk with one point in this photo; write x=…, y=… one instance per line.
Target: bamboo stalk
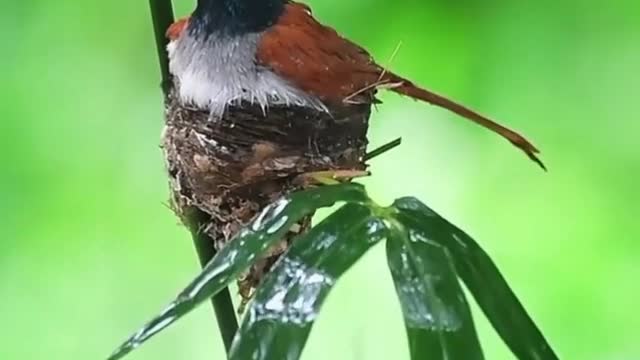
x=162, y=16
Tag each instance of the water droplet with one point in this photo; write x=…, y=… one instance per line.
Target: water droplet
x=205, y=278
x=154, y=329
x=276, y=302
x=458, y=240
x=294, y=302
x=277, y=225
x=413, y=204
x=374, y=226
x=278, y=207
x=419, y=236
x=269, y=212
x=432, y=314
x=257, y=222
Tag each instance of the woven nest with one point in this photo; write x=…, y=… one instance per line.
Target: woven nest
x=222, y=171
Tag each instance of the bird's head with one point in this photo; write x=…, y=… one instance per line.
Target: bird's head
x=235, y=17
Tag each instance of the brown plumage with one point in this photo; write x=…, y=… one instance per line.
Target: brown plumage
x=174, y=31
x=316, y=59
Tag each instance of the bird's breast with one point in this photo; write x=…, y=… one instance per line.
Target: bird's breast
x=215, y=72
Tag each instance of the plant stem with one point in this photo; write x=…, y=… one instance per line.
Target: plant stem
x=383, y=149
x=162, y=18
x=222, y=304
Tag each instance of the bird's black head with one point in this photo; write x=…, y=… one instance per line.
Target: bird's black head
x=235, y=17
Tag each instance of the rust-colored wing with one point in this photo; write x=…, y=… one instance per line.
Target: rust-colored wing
x=175, y=30
x=318, y=60
x=315, y=57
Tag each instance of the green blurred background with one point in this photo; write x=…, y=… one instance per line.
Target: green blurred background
x=88, y=249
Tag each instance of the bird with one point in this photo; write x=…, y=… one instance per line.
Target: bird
x=276, y=53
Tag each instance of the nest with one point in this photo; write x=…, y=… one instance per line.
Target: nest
x=222, y=171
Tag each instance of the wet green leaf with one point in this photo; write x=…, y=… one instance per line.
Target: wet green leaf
x=482, y=277
x=287, y=303
x=436, y=314
x=242, y=251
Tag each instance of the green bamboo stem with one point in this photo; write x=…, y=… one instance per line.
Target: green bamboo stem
x=222, y=304
x=162, y=16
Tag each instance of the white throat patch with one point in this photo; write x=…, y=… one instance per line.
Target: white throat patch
x=213, y=73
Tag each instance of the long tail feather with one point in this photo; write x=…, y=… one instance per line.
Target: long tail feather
x=407, y=88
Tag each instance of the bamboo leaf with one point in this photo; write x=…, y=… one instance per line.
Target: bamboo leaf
x=436, y=314
x=242, y=251
x=482, y=277
x=286, y=304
